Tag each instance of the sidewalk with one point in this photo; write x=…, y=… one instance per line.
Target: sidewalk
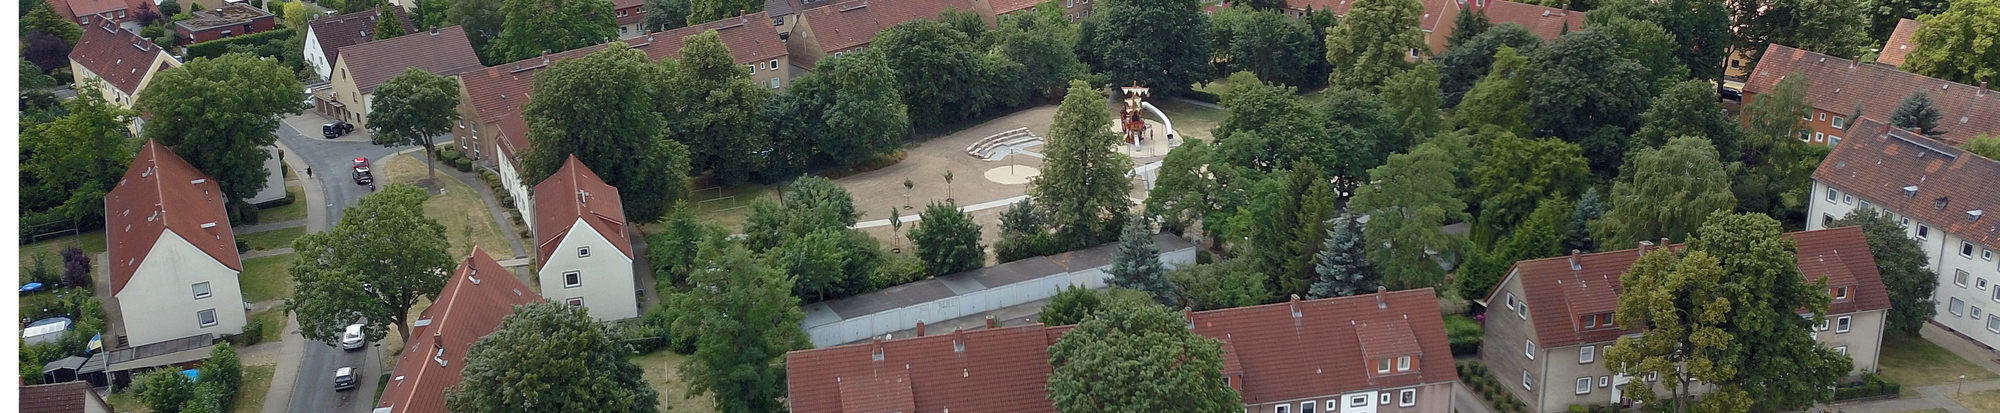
x=292, y=347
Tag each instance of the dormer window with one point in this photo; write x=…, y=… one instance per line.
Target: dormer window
x=1938, y=204
x=1382, y=366
x=1403, y=364
x=1840, y=293
x=1590, y=321
x=1973, y=215
x=1607, y=319
x=1910, y=191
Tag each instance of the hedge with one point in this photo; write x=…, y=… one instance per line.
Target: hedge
x=1869, y=386
x=216, y=48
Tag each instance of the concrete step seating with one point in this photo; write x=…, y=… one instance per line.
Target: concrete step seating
x=988, y=148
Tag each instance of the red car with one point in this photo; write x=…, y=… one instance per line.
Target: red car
x=361, y=174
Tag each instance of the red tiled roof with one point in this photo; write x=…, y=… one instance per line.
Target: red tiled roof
x=1009, y=6
x=1900, y=43
x=1321, y=351
x=66, y=397
x=350, y=29
x=1879, y=161
x=1837, y=85
x=1006, y=369
x=75, y=8
x=1559, y=295
x=846, y=25
x=572, y=193
x=472, y=304
x=162, y=192
x=1545, y=22
x=1429, y=21
x=499, y=93
x=122, y=58
x=445, y=52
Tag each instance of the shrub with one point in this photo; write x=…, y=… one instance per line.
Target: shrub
x=41, y=272
x=1203, y=96
x=897, y=269
x=76, y=267
x=253, y=333
x=1465, y=335
x=216, y=48
x=463, y=164
x=649, y=332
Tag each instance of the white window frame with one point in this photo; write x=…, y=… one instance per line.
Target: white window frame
x=1510, y=301
x=1586, y=355
x=1384, y=396
x=1284, y=408
x=1529, y=349
x=1965, y=249
x=1381, y=366
x=1976, y=312
x=1840, y=122
x=1603, y=381
x=1308, y=406
x=574, y=302
x=1959, y=278
x=1522, y=311
x=1923, y=231
x=1406, y=398
x=1993, y=323
x=1819, y=136
x=1956, y=307
x=1583, y=385
x=1527, y=380
x=1840, y=293
x=1979, y=283
x=583, y=252
x=1986, y=254
x=208, y=314
x=1832, y=140
x=1832, y=195
x=1843, y=324
x=203, y=290
x=1822, y=116
x=1358, y=400
x=1403, y=363
x=1840, y=349
x=572, y=275
x=1847, y=199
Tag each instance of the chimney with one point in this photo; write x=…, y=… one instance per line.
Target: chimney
x=1575, y=260
x=1295, y=307
x=958, y=340
x=1982, y=88
x=437, y=339
x=1187, y=313
x=434, y=31
x=1381, y=297
x=920, y=328
x=878, y=354
x=1643, y=246
x=992, y=323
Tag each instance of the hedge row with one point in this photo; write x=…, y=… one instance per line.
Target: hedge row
x=1483, y=383
x=216, y=48
x=1869, y=386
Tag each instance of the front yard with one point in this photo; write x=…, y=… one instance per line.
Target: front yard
x=273, y=239
x=464, y=214
x=1915, y=362
x=268, y=278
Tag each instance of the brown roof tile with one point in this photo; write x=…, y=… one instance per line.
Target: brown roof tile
x=443, y=51
x=572, y=193
x=1009, y=6
x=849, y=24
x=1901, y=42
x=350, y=29
x=1431, y=20
x=66, y=397
x=1839, y=84
x=1551, y=287
x=478, y=296
x=1879, y=161
x=75, y=8
x=162, y=192
x=1006, y=369
x=1545, y=22
x=121, y=57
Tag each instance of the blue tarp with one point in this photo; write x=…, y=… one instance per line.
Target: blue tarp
x=31, y=287
x=193, y=375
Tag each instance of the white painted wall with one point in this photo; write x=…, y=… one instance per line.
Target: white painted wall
x=321, y=65
x=274, y=180
x=607, y=287
x=1941, y=251
x=159, y=304
x=510, y=179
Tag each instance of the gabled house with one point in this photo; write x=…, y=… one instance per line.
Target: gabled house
x=1440, y=17
x=1941, y=196
x=583, y=253
x=90, y=13
x=325, y=36
x=491, y=100
x=1382, y=352
x=1550, y=357
x=631, y=17
x=847, y=27
x=474, y=301
x=172, y=256
x=68, y=397
x=119, y=63
x=360, y=68
x=230, y=20
x=1838, y=87
x=1901, y=43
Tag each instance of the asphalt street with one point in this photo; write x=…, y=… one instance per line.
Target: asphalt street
x=330, y=161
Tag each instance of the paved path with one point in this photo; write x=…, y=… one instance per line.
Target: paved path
x=968, y=208
x=266, y=253
x=291, y=346
x=1463, y=401
x=270, y=226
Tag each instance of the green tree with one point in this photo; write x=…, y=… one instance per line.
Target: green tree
x=1138, y=357
x=745, y=319
x=204, y=397
x=1683, y=310
x=812, y=203
x=600, y=108
x=1983, y=145
x=815, y=259
x=69, y=163
x=1540, y=236
x=1467, y=62
x=1225, y=284
x=1910, y=285
x=1774, y=120
x=1083, y=184
x=1500, y=99
x=1183, y=195
x=414, y=108
x=1789, y=370
x=1413, y=196
x=534, y=27
x=1577, y=235
x=223, y=371
x=703, y=11
x=576, y=362
x=947, y=240
x=866, y=116
x=1646, y=43
x=1342, y=263
x=1689, y=108
x=1665, y=192
x=295, y=14
x=1834, y=27
x=1958, y=44
x=355, y=6
x=1075, y=303
x=663, y=15
x=222, y=116
x=938, y=66
x=1467, y=26
x=1413, y=101
x=371, y=267
x=1043, y=39
x=712, y=107
x=672, y=250
x=1580, y=89
x=1516, y=174
x=483, y=21
x=1136, y=264
x=1917, y=114
x=1270, y=126
x=42, y=17
x=1286, y=218
x=389, y=27
x=1275, y=47
x=1374, y=41
x=163, y=390
x=1159, y=44
x=1024, y=233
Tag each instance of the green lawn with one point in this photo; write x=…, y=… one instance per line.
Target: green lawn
x=1915, y=362
x=1191, y=120
x=660, y=368
x=462, y=212
x=268, y=278
x=256, y=382
x=288, y=212
x=274, y=324
x=127, y=401
x=93, y=243
x=1984, y=402
x=273, y=239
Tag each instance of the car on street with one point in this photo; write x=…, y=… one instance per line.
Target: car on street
x=336, y=129
x=353, y=338
x=343, y=378
x=362, y=176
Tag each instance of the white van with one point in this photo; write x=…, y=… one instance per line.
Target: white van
x=353, y=338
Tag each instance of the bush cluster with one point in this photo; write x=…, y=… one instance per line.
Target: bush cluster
x=1483, y=383
x=1465, y=335
x=1869, y=386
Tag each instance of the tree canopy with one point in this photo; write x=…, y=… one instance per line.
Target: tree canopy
x=1499, y=99
x=42, y=18
x=1917, y=114
x=1414, y=195
x=1227, y=284
x=1665, y=192
x=1689, y=108
x=702, y=11
x=1138, y=357
x=1159, y=44
x=1343, y=265
x=1276, y=47
x=942, y=67
x=1043, y=39
x=1958, y=44
x=1083, y=184
x=1517, y=174
x=1580, y=88
x=370, y=268
x=551, y=357
x=412, y=109
x=1834, y=27
x=714, y=108
x=1984, y=145
x=947, y=240
x=1465, y=63
x=1136, y=264
x=221, y=115
x=600, y=108
x=533, y=27
x=1903, y=265
x=69, y=163
x=1375, y=41
x=744, y=320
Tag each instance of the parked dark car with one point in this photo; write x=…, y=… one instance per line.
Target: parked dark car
x=336, y=129
x=1732, y=94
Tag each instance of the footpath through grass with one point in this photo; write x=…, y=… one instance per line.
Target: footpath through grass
x=465, y=216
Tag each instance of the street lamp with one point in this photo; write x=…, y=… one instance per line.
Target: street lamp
x=1961, y=385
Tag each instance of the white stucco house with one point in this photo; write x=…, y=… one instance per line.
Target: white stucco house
x=173, y=261
x=325, y=36
x=583, y=256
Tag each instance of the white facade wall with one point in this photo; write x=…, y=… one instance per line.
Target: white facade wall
x=1977, y=294
x=606, y=275
x=321, y=65
x=159, y=303
x=510, y=179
